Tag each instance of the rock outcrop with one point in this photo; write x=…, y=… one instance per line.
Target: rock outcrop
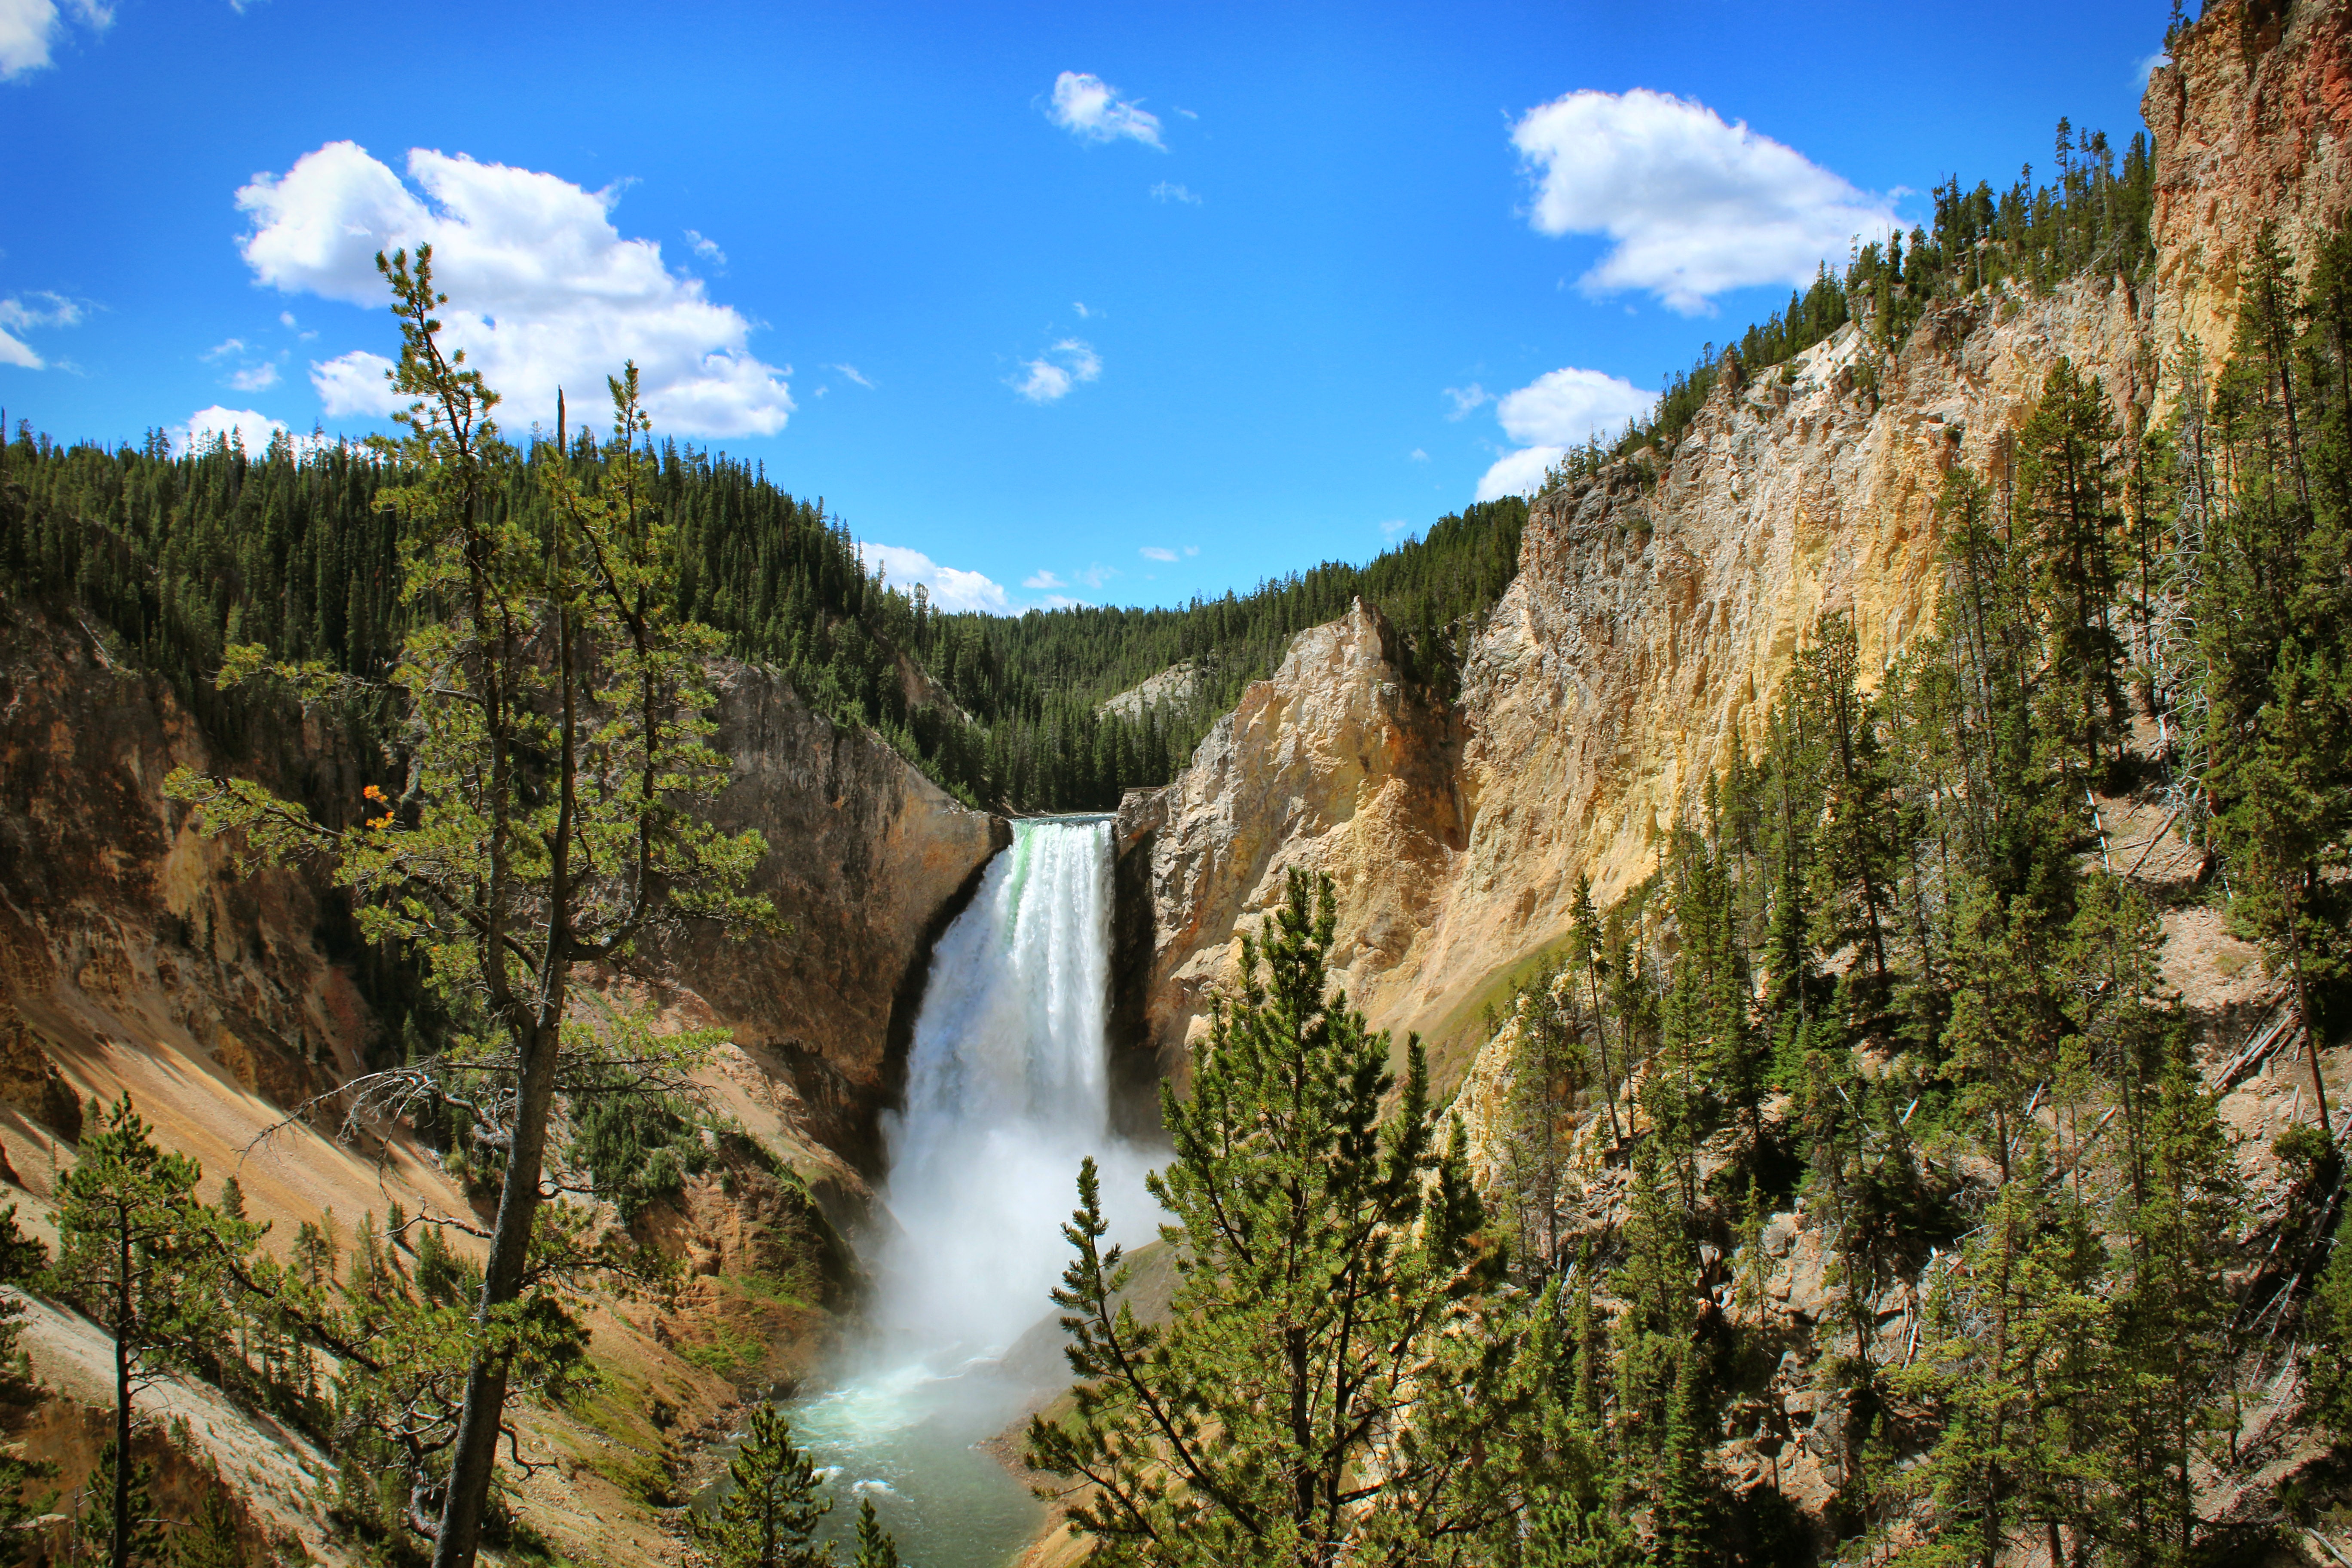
x=1658, y=606
x=1335, y=765
x=868, y=860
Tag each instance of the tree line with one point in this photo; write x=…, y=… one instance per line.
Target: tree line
x=179, y=555
x=2092, y=220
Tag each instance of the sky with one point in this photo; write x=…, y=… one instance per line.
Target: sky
x=1051, y=303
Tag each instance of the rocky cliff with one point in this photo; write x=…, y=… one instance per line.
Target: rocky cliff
x=136, y=955
x=1658, y=606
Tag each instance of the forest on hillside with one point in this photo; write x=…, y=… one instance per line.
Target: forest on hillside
x=180, y=554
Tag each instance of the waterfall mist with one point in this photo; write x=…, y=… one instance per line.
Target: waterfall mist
x=1007, y=1090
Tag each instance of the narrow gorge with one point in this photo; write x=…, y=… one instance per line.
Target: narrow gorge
x=857, y=1196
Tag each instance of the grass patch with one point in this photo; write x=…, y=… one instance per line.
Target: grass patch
x=729, y=1353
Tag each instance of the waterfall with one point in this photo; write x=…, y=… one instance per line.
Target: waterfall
x=1007, y=1089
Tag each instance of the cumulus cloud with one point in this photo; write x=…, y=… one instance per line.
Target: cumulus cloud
x=1559, y=410
x=255, y=378
x=29, y=28
x=1695, y=206
x=31, y=312
x=1091, y=109
x=1565, y=407
x=1167, y=191
x=1519, y=473
x=245, y=427
x=951, y=588
x=1466, y=398
x=544, y=291
x=1063, y=366
x=1157, y=553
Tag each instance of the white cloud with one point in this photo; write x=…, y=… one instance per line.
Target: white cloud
x=355, y=383
x=1042, y=580
x=26, y=313
x=950, y=587
x=255, y=378
x=1694, y=205
x=706, y=247
x=286, y=318
x=1080, y=307
x=1063, y=366
x=1418, y=456
x=1166, y=191
x=1192, y=550
x=1393, y=527
x=250, y=429
x=226, y=346
x=543, y=289
x=1095, y=575
x=1466, y=398
x=1520, y=473
x=851, y=371
x=1157, y=553
x=1568, y=406
x=2147, y=66
x=1559, y=410
x=1091, y=109
x=28, y=28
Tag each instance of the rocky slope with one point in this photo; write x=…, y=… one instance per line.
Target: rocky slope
x=1657, y=608
x=136, y=955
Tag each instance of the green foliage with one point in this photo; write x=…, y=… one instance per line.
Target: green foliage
x=772, y=1503
x=210, y=1540
x=1321, y=1392
x=2329, y=1352
x=875, y=1547
x=182, y=560
x=117, y=1523
x=637, y=1149
x=151, y=1265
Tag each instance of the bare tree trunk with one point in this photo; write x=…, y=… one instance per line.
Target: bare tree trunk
x=475, y=1453
x=119, y=1551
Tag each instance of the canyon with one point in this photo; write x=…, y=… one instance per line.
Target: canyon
x=1657, y=608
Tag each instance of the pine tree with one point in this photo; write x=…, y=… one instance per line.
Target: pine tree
x=553, y=818
x=148, y=1263
x=117, y=1523
x=875, y=1549
x=774, y=1500
x=1320, y=1393
x=210, y=1540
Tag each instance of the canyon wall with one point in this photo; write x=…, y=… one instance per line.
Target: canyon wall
x=137, y=956
x=1658, y=606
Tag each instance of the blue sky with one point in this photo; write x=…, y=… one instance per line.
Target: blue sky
x=1107, y=303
